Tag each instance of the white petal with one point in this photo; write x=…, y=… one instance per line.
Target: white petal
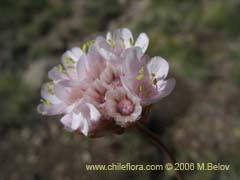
x=85, y=127
x=94, y=113
x=77, y=52
x=108, y=55
x=127, y=37
x=55, y=75
x=50, y=110
x=142, y=41
x=159, y=67
x=100, y=42
x=74, y=55
x=66, y=120
x=69, y=108
x=46, y=95
x=76, y=121
x=165, y=90
x=109, y=36
x=169, y=86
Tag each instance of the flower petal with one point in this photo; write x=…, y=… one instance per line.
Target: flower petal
x=166, y=88
x=108, y=55
x=142, y=42
x=52, y=109
x=76, y=121
x=67, y=120
x=169, y=86
x=131, y=63
x=82, y=68
x=45, y=94
x=61, y=92
x=127, y=37
x=94, y=113
x=77, y=52
x=159, y=67
x=85, y=127
x=55, y=75
x=80, y=122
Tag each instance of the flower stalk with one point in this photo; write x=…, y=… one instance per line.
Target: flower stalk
x=156, y=141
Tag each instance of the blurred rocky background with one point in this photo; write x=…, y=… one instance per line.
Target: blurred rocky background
x=199, y=121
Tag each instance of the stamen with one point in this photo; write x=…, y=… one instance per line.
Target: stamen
x=140, y=76
x=122, y=43
x=69, y=60
x=112, y=43
x=86, y=45
x=141, y=87
x=141, y=70
x=45, y=101
x=49, y=86
x=60, y=69
x=155, y=81
x=131, y=41
x=70, y=67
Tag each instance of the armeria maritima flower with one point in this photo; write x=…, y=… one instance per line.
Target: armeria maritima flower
x=105, y=86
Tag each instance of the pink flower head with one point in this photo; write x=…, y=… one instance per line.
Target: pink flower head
x=107, y=86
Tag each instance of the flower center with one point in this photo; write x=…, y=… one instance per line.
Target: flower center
x=125, y=107
x=116, y=82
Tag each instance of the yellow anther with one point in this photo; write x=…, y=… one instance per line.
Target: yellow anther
x=60, y=68
x=141, y=87
x=141, y=70
x=50, y=83
x=140, y=76
x=49, y=89
x=70, y=67
x=122, y=43
x=131, y=41
x=112, y=43
x=45, y=101
x=69, y=60
x=155, y=81
x=64, y=72
x=86, y=45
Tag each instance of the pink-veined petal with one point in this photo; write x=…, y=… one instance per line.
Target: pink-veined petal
x=61, y=92
x=82, y=68
x=77, y=52
x=131, y=63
